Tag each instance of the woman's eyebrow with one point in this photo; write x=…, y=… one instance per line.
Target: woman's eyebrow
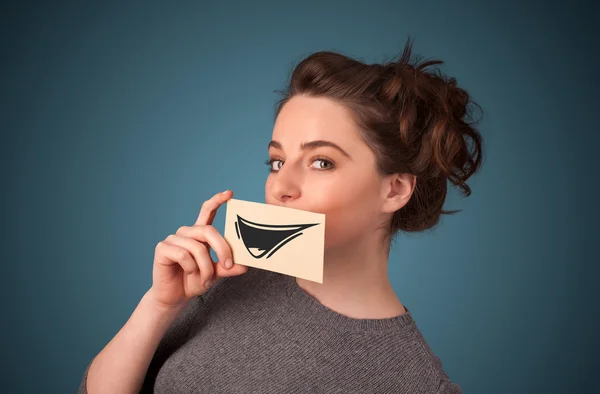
x=312, y=145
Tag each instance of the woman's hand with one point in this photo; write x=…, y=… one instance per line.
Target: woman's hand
x=183, y=267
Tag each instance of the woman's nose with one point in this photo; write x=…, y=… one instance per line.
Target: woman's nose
x=286, y=184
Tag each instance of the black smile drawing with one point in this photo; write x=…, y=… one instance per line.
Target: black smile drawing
x=261, y=239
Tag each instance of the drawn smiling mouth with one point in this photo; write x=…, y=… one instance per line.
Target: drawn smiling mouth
x=260, y=239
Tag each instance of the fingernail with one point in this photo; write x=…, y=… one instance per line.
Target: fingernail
x=225, y=192
x=208, y=283
x=228, y=263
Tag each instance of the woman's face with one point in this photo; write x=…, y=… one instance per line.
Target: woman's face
x=341, y=183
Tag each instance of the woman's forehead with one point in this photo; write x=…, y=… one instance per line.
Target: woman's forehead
x=313, y=118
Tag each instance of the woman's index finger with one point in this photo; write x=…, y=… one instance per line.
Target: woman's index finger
x=210, y=207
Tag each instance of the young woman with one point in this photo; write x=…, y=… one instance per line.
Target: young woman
x=373, y=147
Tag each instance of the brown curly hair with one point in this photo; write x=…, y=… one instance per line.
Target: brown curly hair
x=415, y=121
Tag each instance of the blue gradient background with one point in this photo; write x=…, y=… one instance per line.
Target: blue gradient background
x=118, y=121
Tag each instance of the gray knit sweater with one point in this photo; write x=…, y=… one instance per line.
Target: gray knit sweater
x=259, y=332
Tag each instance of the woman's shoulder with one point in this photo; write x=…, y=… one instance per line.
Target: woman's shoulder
x=430, y=363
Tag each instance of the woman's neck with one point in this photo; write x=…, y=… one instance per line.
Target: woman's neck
x=356, y=282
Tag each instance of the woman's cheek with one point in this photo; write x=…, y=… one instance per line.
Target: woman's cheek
x=338, y=229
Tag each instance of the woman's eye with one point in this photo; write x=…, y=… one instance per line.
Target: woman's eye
x=274, y=162
x=270, y=163
x=323, y=164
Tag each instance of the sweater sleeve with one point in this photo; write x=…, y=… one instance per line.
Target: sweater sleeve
x=174, y=337
x=448, y=387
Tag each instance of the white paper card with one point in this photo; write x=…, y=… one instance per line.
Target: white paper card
x=279, y=239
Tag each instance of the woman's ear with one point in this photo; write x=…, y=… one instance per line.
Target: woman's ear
x=397, y=190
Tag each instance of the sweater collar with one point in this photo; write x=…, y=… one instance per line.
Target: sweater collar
x=309, y=307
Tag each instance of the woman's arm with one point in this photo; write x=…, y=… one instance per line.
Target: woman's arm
x=121, y=366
